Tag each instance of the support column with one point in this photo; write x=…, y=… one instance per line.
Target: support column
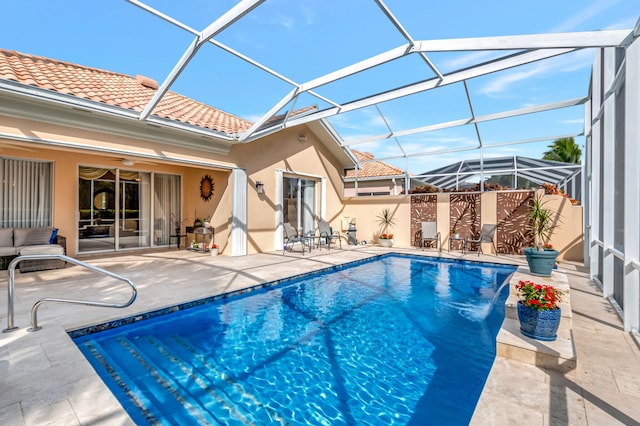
x=586, y=187
x=608, y=193
x=239, y=212
x=631, y=308
x=278, y=237
x=594, y=162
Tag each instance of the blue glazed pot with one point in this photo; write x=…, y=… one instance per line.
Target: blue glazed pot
x=541, y=262
x=540, y=325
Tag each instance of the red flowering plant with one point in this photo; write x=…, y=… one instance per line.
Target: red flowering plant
x=539, y=296
x=386, y=236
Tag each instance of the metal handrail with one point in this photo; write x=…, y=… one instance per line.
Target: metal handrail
x=34, y=309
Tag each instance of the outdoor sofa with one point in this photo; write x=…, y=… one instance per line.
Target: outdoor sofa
x=16, y=242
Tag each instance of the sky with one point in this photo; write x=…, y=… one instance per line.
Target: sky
x=305, y=39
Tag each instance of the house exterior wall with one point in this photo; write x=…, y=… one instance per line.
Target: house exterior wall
x=66, y=161
x=284, y=151
x=260, y=159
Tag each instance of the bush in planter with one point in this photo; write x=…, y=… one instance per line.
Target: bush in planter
x=541, y=223
x=538, y=310
x=386, y=221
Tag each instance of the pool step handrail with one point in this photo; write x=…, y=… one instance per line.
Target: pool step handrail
x=34, y=310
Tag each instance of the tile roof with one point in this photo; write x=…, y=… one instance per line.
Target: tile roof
x=372, y=168
x=114, y=89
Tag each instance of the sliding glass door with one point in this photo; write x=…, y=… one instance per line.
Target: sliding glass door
x=115, y=209
x=97, y=209
x=134, y=209
x=299, y=203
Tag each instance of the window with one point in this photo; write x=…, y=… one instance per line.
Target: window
x=26, y=193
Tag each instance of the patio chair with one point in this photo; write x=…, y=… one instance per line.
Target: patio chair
x=486, y=236
x=430, y=233
x=291, y=237
x=327, y=235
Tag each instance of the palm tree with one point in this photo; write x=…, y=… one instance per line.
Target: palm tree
x=564, y=150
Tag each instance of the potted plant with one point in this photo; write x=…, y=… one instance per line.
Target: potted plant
x=385, y=240
x=538, y=310
x=455, y=233
x=385, y=221
x=541, y=223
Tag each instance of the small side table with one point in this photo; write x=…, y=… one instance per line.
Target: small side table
x=462, y=240
x=204, y=232
x=310, y=240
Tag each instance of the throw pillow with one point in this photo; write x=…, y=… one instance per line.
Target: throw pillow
x=54, y=236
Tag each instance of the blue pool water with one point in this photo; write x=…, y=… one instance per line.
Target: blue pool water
x=398, y=340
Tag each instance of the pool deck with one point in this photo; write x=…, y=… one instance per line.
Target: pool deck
x=44, y=379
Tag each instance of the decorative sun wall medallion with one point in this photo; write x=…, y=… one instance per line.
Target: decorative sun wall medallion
x=206, y=187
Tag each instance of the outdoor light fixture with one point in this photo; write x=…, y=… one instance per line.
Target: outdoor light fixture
x=302, y=137
x=259, y=187
x=127, y=162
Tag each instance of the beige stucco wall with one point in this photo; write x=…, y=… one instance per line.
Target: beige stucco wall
x=567, y=237
x=285, y=152
x=366, y=210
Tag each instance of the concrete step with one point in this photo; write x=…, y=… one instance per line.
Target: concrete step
x=559, y=354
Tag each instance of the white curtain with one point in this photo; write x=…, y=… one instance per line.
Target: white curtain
x=309, y=205
x=166, y=208
x=145, y=207
x=25, y=193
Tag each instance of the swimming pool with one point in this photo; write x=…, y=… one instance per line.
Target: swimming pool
x=396, y=340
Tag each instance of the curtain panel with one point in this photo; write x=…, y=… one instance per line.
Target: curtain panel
x=26, y=193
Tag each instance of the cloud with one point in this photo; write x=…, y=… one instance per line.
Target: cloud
x=283, y=20
x=560, y=64
x=624, y=24
x=502, y=83
x=469, y=59
x=596, y=8
x=361, y=120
